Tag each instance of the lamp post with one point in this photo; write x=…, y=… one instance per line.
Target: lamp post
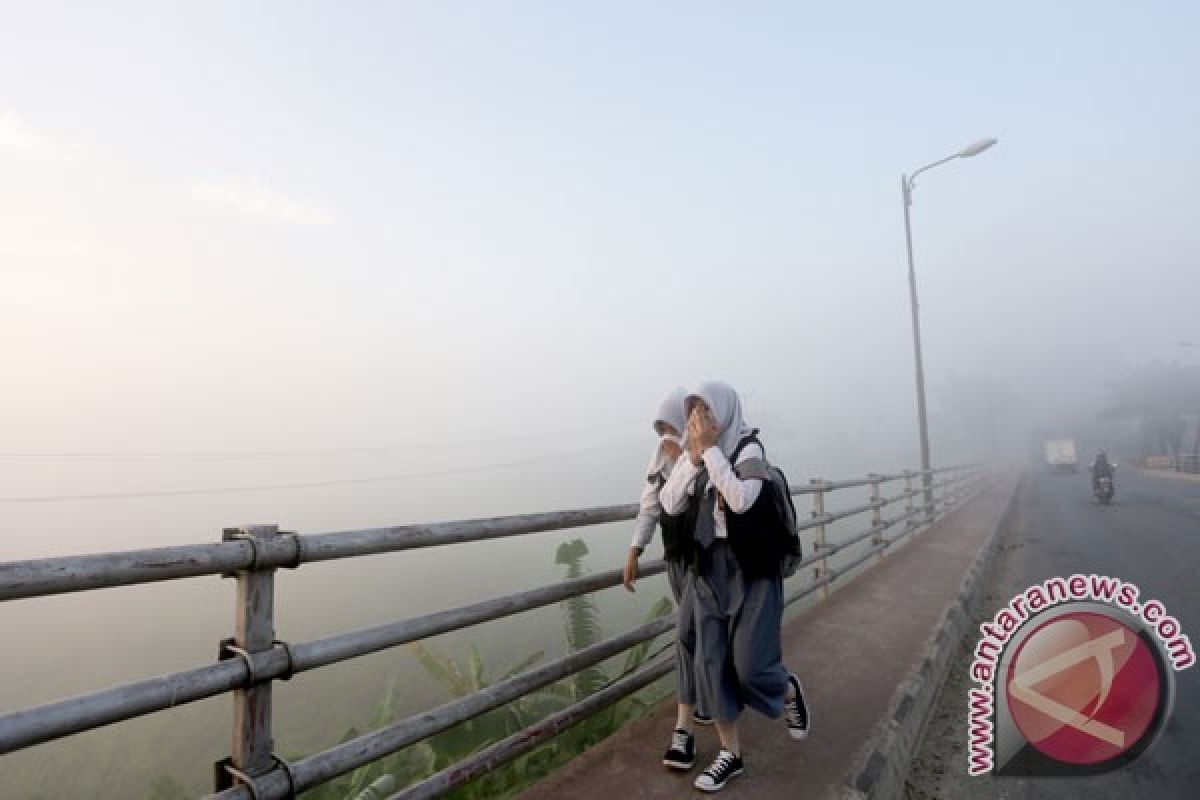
x=907, y=184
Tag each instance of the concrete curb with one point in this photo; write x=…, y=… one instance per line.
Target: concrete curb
x=882, y=767
x=1169, y=474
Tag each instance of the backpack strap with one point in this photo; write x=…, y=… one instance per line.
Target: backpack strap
x=751, y=468
x=750, y=438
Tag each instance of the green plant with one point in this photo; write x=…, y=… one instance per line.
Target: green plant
x=581, y=628
x=581, y=623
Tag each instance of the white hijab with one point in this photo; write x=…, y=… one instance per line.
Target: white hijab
x=671, y=411
x=723, y=401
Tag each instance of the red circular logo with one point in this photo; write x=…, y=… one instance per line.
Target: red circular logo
x=1083, y=688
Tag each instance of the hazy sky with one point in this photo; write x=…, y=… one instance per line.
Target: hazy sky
x=295, y=226
x=240, y=225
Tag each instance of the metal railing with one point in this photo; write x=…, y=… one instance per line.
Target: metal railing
x=253, y=658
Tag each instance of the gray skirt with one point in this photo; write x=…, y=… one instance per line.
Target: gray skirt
x=738, y=655
x=677, y=572
x=685, y=633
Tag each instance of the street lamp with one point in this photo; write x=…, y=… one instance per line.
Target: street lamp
x=907, y=184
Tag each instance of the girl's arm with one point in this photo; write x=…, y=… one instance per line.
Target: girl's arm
x=647, y=517
x=739, y=494
x=673, y=496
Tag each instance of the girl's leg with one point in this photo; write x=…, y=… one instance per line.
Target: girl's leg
x=681, y=753
x=727, y=733
x=682, y=585
x=757, y=647
x=766, y=684
x=716, y=679
x=683, y=719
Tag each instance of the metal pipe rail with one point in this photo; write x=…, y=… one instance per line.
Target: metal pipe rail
x=529, y=739
x=85, y=712
x=875, y=550
x=321, y=767
x=875, y=530
x=827, y=518
x=252, y=556
x=818, y=485
x=47, y=576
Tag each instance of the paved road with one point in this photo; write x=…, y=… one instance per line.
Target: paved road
x=1150, y=536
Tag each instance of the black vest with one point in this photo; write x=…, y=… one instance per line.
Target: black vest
x=756, y=557
x=676, y=532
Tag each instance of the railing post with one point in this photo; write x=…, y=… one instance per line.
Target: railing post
x=876, y=515
x=942, y=492
x=908, y=503
x=929, y=499
x=252, y=748
x=822, y=567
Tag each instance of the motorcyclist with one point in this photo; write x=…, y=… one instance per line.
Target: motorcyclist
x=1101, y=468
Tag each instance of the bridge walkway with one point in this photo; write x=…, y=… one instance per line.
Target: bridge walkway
x=851, y=652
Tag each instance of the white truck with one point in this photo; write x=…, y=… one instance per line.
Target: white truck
x=1061, y=455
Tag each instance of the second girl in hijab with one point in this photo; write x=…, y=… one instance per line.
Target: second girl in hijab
x=669, y=423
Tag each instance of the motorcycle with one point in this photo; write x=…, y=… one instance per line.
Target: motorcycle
x=1102, y=486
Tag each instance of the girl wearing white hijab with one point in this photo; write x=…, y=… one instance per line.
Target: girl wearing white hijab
x=669, y=424
x=736, y=599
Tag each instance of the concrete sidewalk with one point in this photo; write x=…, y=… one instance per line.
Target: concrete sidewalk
x=851, y=652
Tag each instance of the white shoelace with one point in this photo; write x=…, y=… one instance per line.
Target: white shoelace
x=720, y=765
x=679, y=741
x=792, y=708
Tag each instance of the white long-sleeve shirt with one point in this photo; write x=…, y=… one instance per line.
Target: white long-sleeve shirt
x=649, y=510
x=738, y=494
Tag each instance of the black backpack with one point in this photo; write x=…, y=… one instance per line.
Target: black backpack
x=772, y=543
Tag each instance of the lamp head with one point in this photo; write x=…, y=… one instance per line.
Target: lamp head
x=975, y=148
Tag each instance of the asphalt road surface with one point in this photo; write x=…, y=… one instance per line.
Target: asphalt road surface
x=1149, y=536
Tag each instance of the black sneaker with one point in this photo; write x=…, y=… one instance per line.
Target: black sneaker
x=701, y=719
x=682, y=752
x=725, y=766
x=796, y=711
